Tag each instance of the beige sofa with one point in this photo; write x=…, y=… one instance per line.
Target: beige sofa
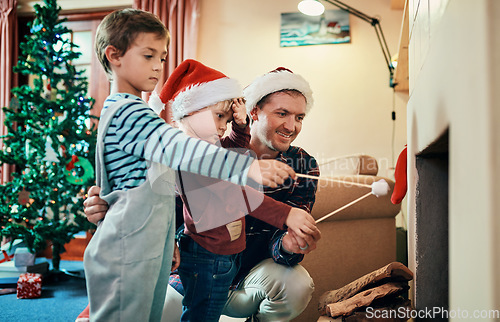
x=355, y=241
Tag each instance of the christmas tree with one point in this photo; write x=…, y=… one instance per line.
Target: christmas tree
x=49, y=140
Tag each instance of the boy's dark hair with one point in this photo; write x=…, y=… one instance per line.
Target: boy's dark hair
x=121, y=27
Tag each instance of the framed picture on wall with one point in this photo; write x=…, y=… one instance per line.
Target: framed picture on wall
x=297, y=29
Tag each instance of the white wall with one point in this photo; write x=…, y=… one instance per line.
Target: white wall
x=454, y=82
x=353, y=100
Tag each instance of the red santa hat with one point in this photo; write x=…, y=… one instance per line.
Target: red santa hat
x=193, y=86
x=279, y=79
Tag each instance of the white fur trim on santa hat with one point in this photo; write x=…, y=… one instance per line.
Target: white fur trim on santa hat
x=199, y=96
x=275, y=81
x=155, y=102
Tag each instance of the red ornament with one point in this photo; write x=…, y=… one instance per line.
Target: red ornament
x=63, y=150
x=71, y=165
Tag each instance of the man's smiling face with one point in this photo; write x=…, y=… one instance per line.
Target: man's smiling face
x=278, y=122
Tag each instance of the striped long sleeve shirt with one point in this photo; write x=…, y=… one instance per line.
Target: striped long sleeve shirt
x=137, y=135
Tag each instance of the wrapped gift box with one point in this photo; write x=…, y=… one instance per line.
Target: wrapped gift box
x=29, y=285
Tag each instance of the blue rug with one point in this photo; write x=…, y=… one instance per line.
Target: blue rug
x=63, y=298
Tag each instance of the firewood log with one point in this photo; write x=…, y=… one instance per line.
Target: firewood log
x=365, y=298
x=394, y=271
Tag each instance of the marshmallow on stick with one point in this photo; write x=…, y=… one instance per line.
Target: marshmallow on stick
x=380, y=188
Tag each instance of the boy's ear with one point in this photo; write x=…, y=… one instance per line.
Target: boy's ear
x=113, y=55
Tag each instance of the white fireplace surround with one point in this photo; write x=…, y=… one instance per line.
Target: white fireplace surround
x=454, y=63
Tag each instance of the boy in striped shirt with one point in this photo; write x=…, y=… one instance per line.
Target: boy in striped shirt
x=129, y=257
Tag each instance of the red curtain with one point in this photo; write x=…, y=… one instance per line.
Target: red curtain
x=181, y=17
x=8, y=55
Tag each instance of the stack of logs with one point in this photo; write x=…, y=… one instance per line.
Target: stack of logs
x=382, y=293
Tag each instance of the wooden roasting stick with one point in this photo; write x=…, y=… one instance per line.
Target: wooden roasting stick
x=342, y=181
x=343, y=207
x=334, y=180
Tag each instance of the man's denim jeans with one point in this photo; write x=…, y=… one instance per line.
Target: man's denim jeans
x=206, y=278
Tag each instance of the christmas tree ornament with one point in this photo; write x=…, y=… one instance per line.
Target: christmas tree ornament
x=79, y=177
x=61, y=116
x=23, y=197
x=27, y=148
x=62, y=148
x=49, y=92
x=50, y=153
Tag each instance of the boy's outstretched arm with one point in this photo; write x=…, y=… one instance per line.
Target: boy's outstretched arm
x=267, y=172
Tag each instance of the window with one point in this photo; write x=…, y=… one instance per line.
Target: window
x=83, y=29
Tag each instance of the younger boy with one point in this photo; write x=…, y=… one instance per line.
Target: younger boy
x=128, y=260
x=201, y=100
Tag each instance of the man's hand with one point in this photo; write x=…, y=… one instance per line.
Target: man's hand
x=176, y=259
x=239, y=112
x=94, y=207
x=270, y=172
x=290, y=243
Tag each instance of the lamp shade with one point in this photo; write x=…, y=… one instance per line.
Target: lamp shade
x=311, y=7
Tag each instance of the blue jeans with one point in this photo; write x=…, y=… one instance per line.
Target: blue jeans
x=206, y=278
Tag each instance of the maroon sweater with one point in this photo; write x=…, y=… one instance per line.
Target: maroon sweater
x=210, y=203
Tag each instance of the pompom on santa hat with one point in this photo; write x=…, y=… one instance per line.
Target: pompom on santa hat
x=193, y=86
x=276, y=80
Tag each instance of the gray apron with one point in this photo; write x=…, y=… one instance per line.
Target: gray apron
x=127, y=262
